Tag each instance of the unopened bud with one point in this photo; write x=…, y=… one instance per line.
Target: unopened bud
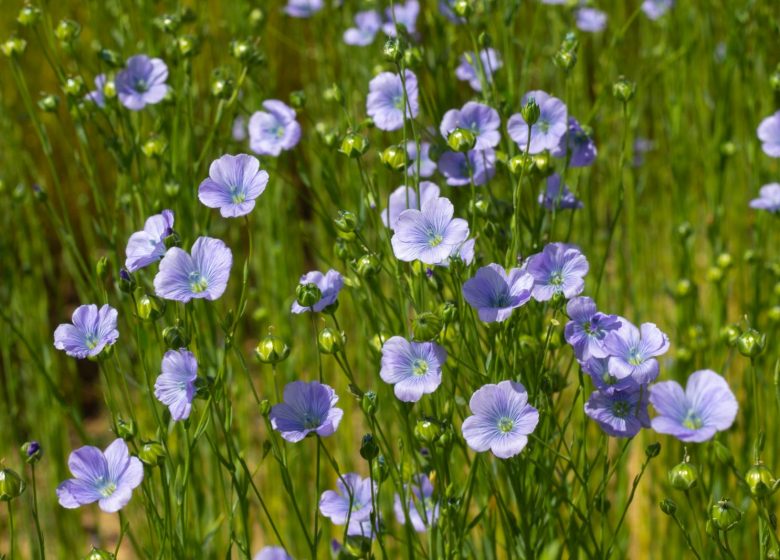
x=760, y=481
x=272, y=350
x=67, y=30
x=152, y=454
x=346, y=221
x=394, y=157
x=751, y=343
x=427, y=431
x=369, y=402
x=683, y=476
x=29, y=15
x=624, y=90
x=368, y=266
x=426, y=326
x=11, y=485
x=307, y=294
x=668, y=506
x=32, y=452
x=725, y=515
x=530, y=112
x=369, y=448
x=354, y=145
x=461, y=140
x=330, y=341
x=393, y=49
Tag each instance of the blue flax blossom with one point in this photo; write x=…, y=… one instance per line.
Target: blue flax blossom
x=350, y=503
x=385, y=103
x=367, y=24
x=494, y=292
x=272, y=553
x=308, y=408
x=655, y=9
x=469, y=69
x=547, y=131
x=106, y=477
x=501, y=419
x=175, y=386
x=423, y=509
x=430, y=234
x=619, y=413
x=455, y=167
x=591, y=20
x=706, y=406
x=769, y=134
x=598, y=371
x=404, y=198
x=576, y=145
x=233, y=184
x=480, y=119
x=553, y=199
x=142, y=82
x=330, y=285
x=414, y=368
x=92, y=330
x=559, y=269
x=405, y=14
x=587, y=328
x=96, y=95
x=633, y=351
x=273, y=130
x=427, y=165
x=148, y=246
x=768, y=199
x=202, y=274
x=303, y=8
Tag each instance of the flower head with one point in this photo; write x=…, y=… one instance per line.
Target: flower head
x=558, y=196
x=404, y=198
x=559, y=269
x=273, y=130
x=494, y=292
x=427, y=166
x=272, y=553
x=429, y=235
x=547, y=131
x=233, y=184
x=588, y=328
x=414, y=368
x=351, y=503
x=404, y=14
x=598, y=370
x=92, y=330
x=591, y=20
x=148, y=246
x=655, y=9
x=455, y=167
x=307, y=408
x=367, y=24
x=423, y=509
x=175, y=386
x=303, y=8
x=329, y=284
x=769, y=134
x=203, y=274
x=706, y=406
x=768, y=199
x=386, y=103
x=501, y=421
x=633, y=351
x=480, y=119
x=142, y=82
x=619, y=413
x=106, y=477
x=469, y=69
x=96, y=95
x=577, y=145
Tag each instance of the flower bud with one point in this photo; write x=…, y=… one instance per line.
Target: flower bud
x=154, y=147
x=715, y=274
x=152, y=454
x=272, y=350
x=265, y=408
x=172, y=188
x=412, y=57
x=257, y=17
x=125, y=429
x=463, y=8
x=187, y=45
x=14, y=47
x=73, y=86
x=169, y=23
x=730, y=333
x=176, y=336
x=67, y=30
x=683, y=476
x=307, y=294
x=29, y=15
x=112, y=58
x=330, y=341
x=394, y=158
x=751, y=343
x=32, y=452
x=99, y=554
x=565, y=59
x=393, y=49
x=148, y=307
x=11, y=485
x=653, y=450
x=379, y=469
x=461, y=140
x=774, y=314
x=624, y=90
x=334, y=93
x=221, y=86
x=426, y=326
x=725, y=515
x=354, y=145
x=341, y=248
x=448, y=312
x=346, y=221
x=298, y=99
x=668, y=507
x=530, y=111
x=543, y=163
x=521, y=164
x=369, y=402
x=49, y=103
x=724, y=261
x=126, y=281
x=484, y=40
x=368, y=266
x=760, y=481
x=427, y=431
x=369, y=448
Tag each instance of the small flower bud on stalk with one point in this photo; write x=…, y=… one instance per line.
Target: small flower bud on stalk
x=463, y=8
x=565, y=60
x=265, y=408
x=99, y=554
x=49, y=103
x=379, y=469
x=369, y=448
x=521, y=164
x=272, y=350
x=730, y=334
x=530, y=112
x=668, y=507
x=125, y=429
x=67, y=31
x=152, y=454
x=725, y=515
x=369, y=403
x=394, y=158
x=73, y=86
x=330, y=341
x=257, y=17
x=393, y=49
x=221, y=87
x=368, y=266
x=148, y=307
x=426, y=327
x=346, y=221
x=154, y=147
x=543, y=163
x=427, y=431
x=126, y=281
x=29, y=15
x=176, y=336
x=653, y=450
x=334, y=93
x=461, y=140
x=624, y=90
x=11, y=485
x=32, y=452
x=683, y=476
x=112, y=58
x=14, y=47
x=354, y=145
x=760, y=481
x=187, y=45
x=307, y=294
x=751, y=343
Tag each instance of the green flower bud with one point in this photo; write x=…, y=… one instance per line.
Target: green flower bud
x=334, y=93
x=484, y=40
x=11, y=485
x=346, y=221
x=728, y=149
x=683, y=476
x=448, y=312
x=715, y=274
x=668, y=507
x=265, y=408
x=307, y=294
x=99, y=554
x=354, y=145
x=521, y=164
x=379, y=469
x=543, y=163
x=760, y=481
x=463, y=8
x=427, y=431
x=725, y=515
x=653, y=450
x=74, y=86
x=730, y=333
x=724, y=260
x=221, y=86
x=751, y=343
x=176, y=336
x=49, y=103
x=67, y=30
x=188, y=45
x=101, y=268
x=298, y=99
x=530, y=111
x=257, y=17
x=393, y=49
x=126, y=281
x=394, y=157
x=461, y=140
x=426, y=326
x=683, y=288
x=154, y=147
x=412, y=57
x=172, y=188
x=368, y=266
x=341, y=248
x=152, y=454
x=29, y=15
x=272, y=350
x=125, y=429
x=109, y=89
x=169, y=23
x=112, y=58
x=369, y=402
x=369, y=448
x=565, y=59
x=14, y=47
x=624, y=90
x=32, y=452
x=330, y=341
x=148, y=307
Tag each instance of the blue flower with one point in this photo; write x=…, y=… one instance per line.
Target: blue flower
x=414, y=368
x=495, y=293
x=175, y=386
x=202, y=275
x=385, y=103
x=233, y=184
x=633, y=351
x=307, y=408
x=559, y=269
x=142, y=82
x=273, y=130
x=92, y=330
x=588, y=328
x=547, y=131
x=429, y=235
x=148, y=246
